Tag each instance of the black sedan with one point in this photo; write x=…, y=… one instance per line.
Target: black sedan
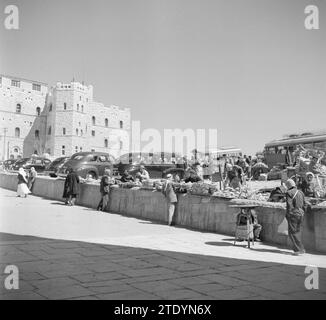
x=27, y=163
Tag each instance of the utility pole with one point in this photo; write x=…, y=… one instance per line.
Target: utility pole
x=5, y=130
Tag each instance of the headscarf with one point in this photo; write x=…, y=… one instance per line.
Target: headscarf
x=22, y=172
x=309, y=174
x=290, y=184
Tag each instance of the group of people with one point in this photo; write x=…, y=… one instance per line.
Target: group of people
x=296, y=204
x=25, y=182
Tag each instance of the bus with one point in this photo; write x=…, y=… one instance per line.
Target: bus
x=280, y=152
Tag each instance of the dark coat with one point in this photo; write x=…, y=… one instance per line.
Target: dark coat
x=127, y=178
x=21, y=179
x=71, y=187
x=295, y=202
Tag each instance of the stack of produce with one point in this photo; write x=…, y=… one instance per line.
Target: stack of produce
x=127, y=185
x=148, y=185
x=200, y=188
x=274, y=174
x=228, y=193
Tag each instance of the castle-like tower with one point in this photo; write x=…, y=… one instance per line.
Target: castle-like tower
x=60, y=122
x=22, y=116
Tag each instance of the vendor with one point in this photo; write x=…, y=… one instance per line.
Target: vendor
x=192, y=177
x=143, y=173
x=126, y=177
x=236, y=181
x=308, y=186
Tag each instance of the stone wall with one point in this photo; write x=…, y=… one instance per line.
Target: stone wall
x=196, y=212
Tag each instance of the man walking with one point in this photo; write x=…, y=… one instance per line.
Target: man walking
x=295, y=209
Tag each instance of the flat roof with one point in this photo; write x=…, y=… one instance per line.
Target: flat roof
x=297, y=140
x=23, y=79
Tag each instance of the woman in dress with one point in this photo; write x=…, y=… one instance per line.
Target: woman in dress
x=22, y=189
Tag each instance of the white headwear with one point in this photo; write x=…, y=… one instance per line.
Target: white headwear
x=290, y=183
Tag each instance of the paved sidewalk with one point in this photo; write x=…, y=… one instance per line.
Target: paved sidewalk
x=116, y=257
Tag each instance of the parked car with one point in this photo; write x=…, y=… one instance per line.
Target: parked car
x=8, y=164
x=53, y=168
x=88, y=164
x=155, y=163
x=27, y=163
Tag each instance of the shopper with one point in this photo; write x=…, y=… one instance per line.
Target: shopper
x=31, y=179
x=71, y=187
x=295, y=209
x=171, y=197
x=22, y=189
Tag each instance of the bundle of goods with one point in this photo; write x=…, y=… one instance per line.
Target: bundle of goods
x=158, y=185
x=127, y=185
x=182, y=187
x=274, y=174
x=148, y=184
x=258, y=169
x=200, y=188
x=227, y=193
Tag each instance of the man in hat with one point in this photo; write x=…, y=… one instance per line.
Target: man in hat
x=295, y=209
x=143, y=173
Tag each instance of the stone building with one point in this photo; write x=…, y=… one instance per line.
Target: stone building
x=59, y=121
x=22, y=113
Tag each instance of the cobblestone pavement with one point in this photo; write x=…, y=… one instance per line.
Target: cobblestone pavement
x=97, y=267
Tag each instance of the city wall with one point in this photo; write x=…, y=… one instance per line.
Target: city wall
x=202, y=213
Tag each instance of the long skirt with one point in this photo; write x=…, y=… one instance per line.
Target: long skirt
x=22, y=190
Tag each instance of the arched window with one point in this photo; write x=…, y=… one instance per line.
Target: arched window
x=106, y=122
x=49, y=131
x=64, y=131
x=18, y=108
x=81, y=132
x=76, y=132
x=121, y=124
x=121, y=145
x=50, y=107
x=93, y=121
x=63, y=150
x=65, y=106
x=106, y=143
x=38, y=111
x=37, y=134
x=17, y=133
x=82, y=107
x=77, y=107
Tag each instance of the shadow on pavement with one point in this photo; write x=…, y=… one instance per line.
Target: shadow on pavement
x=58, y=203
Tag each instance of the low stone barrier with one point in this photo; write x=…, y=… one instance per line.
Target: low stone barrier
x=201, y=213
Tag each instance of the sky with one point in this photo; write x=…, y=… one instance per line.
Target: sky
x=248, y=68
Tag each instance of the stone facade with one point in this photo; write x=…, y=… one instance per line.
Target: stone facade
x=59, y=121
x=22, y=116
